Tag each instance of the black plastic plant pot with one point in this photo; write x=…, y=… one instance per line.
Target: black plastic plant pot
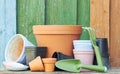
x=60, y=56
x=32, y=52
x=41, y=51
x=103, y=46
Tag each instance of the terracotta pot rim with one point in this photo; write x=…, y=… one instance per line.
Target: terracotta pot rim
x=57, y=29
x=49, y=60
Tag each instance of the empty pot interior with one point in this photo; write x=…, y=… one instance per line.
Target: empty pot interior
x=14, y=49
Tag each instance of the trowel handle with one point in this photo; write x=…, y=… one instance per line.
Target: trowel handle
x=98, y=55
x=94, y=67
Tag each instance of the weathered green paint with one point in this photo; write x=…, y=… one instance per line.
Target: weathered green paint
x=61, y=12
x=83, y=17
x=29, y=13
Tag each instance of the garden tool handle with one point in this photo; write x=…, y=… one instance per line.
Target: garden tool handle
x=98, y=55
x=94, y=67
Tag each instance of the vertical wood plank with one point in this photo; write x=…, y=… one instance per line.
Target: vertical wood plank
x=83, y=16
x=7, y=24
x=99, y=17
x=29, y=13
x=2, y=23
x=115, y=33
x=61, y=12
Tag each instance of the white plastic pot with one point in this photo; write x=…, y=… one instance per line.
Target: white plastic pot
x=15, y=49
x=82, y=44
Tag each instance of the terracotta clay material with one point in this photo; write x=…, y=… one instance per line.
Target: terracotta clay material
x=58, y=38
x=49, y=64
x=36, y=64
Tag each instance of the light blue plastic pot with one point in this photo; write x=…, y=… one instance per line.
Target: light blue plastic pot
x=82, y=44
x=15, y=49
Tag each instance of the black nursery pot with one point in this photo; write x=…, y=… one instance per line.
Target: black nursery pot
x=32, y=52
x=60, y=56
x=41, y=51
x=102, y=43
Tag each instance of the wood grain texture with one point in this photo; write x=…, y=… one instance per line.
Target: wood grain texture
x=29, y=13
x=83, y=12
x=2, y=23
x=7, y=24
x=61, y=12
x=83, y=16
x=99, y=17
x=113, y=70
x=115, y=33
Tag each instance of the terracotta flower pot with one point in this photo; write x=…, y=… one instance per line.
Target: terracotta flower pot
x=58, y=38
x=36, y=64
x=49, y=64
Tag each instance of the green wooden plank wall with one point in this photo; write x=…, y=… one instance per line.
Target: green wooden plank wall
x=83, y=17
x=60, y=12
x=29, y=13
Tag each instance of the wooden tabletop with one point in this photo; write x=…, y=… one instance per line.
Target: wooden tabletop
x=115, y=70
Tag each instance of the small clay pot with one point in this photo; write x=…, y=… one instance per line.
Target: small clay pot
x=49, y=64
x=36, y=64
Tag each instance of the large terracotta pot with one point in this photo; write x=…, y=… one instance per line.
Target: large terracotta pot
x=58, y=38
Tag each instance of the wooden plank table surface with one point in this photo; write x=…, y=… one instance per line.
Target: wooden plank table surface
x=114, y=70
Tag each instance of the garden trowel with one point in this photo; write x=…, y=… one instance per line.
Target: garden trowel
x=74, y=65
